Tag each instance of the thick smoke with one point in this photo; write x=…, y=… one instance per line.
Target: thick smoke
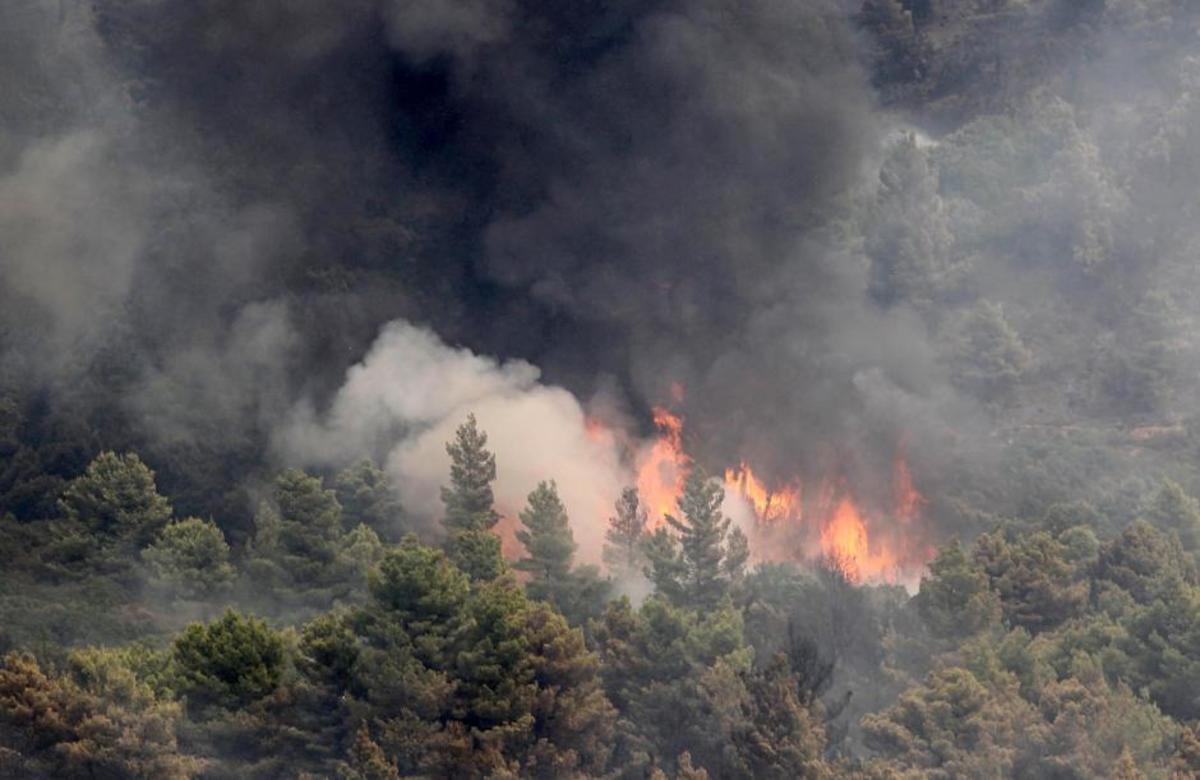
x=403, y=402
x=211, y=210
x=634, y=191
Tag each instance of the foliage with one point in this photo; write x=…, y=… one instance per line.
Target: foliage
x=989, y=357
x=468, y=499
x=110, y=512
x=624, y=540
x=116, y=499
x=548, y=542
x=1038, y=586
x=1143, y=562
x=576, y=593
x=1172, y=509
x=231, y=662
x=191, y=558
x=705, y=558
x=301, y=550
x=110, y=725
x=956, y=599
x=368, y=497
x=469, y=512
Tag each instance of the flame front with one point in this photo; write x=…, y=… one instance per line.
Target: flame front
x=834, y=526
x=877, y=545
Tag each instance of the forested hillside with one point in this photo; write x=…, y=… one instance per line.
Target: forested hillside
x=641, y=389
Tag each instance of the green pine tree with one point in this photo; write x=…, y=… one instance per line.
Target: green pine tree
x=698, y=566
x=549, y=544
x=116, y=499
x=578, y=594
x=231, y=662
x=368, y=497
x=470, y=514
x=955, y=599
x=469, y=500
x=191, y=558
x=624, y=540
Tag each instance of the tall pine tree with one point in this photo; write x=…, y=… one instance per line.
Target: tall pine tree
x=550, y=546
x=548, y=542
x=468, y=500
x=697, y=565
x=623, y=542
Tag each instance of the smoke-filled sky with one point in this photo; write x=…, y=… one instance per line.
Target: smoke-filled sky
x=324, y=231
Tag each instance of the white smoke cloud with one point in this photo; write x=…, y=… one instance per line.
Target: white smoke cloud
x=403, y=402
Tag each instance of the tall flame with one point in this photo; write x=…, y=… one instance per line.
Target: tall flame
x=662, y=467
x=846, y=542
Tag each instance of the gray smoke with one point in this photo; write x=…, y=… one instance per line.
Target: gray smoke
x=211, y=210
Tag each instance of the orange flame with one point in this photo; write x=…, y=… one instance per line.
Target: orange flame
x=864, y=546
x=770, y=506
x=887, y=545
x=846, y=541
x=662, y=468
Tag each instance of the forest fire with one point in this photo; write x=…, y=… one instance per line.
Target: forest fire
x=835, y=526
x=866, y=544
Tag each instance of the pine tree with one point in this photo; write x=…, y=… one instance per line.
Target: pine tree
x=779, y=734
x=469, y=498
x=989, y=357
x=191, y=559
x=368, y=497
x=298, y=547
x=116, y=499
x=548, y=543
x=955, y=599
x=1172, y=508
x=1126, y=768
x=111, y=511
x=109, y=726
x=579, y=593
x=698, y=567
x=624, y=540
x=230, y=662
x=477, y=553
x=311, y=516
x=470, y=515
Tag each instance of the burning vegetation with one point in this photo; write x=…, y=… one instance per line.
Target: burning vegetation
x=331, y=333
x=787, y=522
